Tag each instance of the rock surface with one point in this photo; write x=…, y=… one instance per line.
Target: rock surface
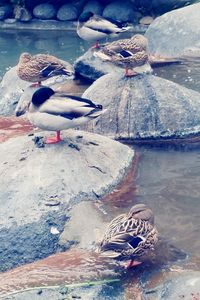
x=39, y=185
x=175, y=33
x=145, y=108
x=67, y=12
x=94, y=6
x=5, y=11
x=44, y=11
x=91, y=67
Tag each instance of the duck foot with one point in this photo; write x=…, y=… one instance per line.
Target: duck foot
x=54, y=140
x=133, y=263
x=96, y=45
x=129, y=73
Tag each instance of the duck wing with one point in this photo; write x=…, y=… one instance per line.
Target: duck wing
x=100, y=24
x=69, y=107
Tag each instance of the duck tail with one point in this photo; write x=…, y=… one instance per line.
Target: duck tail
x=96, y=112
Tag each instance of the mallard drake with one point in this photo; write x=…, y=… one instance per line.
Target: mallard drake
x=91, y=27
x=130, y=236
x=54, y=111
x=40, y=67
x=129, y=53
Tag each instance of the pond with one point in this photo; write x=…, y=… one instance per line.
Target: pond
x=167, y=177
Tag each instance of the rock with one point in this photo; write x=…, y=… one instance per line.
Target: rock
x=147, y=20
x=94, y=6
x=91, y=67
x=44, y=11
x=82, y=229
x=22, y=14
x=174, y=33
x=119, y=11
x=67, y=12
x=180, y=284
x=5, y=11
x=163, y=6
x=34, y=177
x=12, y=87
x=145, y=108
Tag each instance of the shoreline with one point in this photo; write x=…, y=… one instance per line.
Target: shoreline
x=36, y=24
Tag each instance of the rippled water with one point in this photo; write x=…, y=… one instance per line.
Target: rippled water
x=167, y=177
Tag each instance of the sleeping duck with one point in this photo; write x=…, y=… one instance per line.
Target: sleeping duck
x=128, y=53
x=54, y=111
x=94, y=28
x=130, y=236
x=40, y=67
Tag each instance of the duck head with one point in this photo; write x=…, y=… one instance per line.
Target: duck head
x=24, y=57
x=142, y=212
x=85, y=16
x=41, y=95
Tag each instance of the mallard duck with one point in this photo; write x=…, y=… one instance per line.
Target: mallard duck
x=129, y=53
x=50, y=110
x=91, y=27
x=40, y=67
x=130, y=236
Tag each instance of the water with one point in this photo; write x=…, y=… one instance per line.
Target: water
x=167, y=177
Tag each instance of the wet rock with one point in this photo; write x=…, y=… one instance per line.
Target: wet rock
x=52, y=172
x=5, y=11
x=82, y=229
x=94, y=6
x=120, y=11
x=22, y=14
x=146, y=20
x=12, y=88
x=91, y=67
x=67, y=12
x=179, y=285
x=44, y=11
x=72, y=267
x=162, y=6
x=145, y=108
x=174, y=33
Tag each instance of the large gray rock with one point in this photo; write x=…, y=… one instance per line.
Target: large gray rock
x=91, y=67
x=38, y=185
x=44, y=11
x=12, y=88
x=145, y=108
x=162, y=6
x=175, y=33
x=67, y=12
x=120, y=11
x=5, y=11
x=93, y=6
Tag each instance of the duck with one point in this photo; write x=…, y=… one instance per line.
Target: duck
x=39, y=67
x=128, y=53
x=130, y=236
x=91, y=27
x=54, y=111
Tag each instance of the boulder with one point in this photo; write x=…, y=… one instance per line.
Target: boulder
x=39, y=185
x=67, y=12
x=12, y=87
x=163, y=6
x=91, y=67
x=175, y=33
x=94, y=6
x=5, y=11
x=22, y=14
x=145, y=108
x=44, y=11
x=120, y=11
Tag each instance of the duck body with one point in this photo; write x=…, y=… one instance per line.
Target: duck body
x=40, y=67
x=128, y=53
x=49, y=110
x=92, y=27
x=130, y=236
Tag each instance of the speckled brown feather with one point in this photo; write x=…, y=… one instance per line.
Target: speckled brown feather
x=124, y=228
x=30, y=67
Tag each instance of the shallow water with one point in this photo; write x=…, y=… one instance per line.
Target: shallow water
x=167, y=177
